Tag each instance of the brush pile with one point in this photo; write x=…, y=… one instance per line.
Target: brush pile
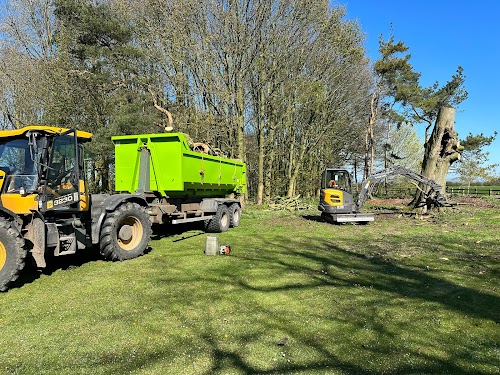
x=288, y=204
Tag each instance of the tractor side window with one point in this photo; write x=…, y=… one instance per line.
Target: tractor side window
x=62, y=176
x=17, y=162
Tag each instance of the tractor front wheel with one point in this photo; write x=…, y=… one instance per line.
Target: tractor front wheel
x=125, y=232
x=12, y=254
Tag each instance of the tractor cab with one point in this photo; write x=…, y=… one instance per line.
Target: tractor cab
x=41, y=168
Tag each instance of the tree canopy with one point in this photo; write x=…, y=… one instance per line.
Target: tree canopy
x=473, y=166
x=284, y=85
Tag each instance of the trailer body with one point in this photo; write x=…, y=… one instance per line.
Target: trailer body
x=173, y=169
x=180, y=185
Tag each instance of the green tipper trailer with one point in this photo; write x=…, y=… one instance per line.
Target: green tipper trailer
x=180, y=185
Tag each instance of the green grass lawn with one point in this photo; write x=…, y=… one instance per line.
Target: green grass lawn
x=397, y=296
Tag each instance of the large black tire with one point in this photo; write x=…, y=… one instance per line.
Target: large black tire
x=125, y=232
x=220, y=222
x=12, y=254
x=234, y=215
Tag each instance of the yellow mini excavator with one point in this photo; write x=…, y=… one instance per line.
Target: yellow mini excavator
x=337, y=203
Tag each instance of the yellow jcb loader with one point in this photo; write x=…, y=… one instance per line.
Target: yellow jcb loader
x=45, y=205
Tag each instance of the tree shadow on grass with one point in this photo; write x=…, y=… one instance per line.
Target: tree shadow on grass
x=376, y=273
x=325, y=264
x=31, y=272
x=381, y=274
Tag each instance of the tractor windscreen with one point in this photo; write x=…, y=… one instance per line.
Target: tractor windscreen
x=336, y=179
x=17, y=161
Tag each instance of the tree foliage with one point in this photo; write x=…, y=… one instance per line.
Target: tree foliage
x=473, y=166
x=283, y=84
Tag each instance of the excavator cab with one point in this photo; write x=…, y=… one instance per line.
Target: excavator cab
x=336, y=195
x=338, y=179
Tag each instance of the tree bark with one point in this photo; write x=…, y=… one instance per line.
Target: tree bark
x=296, y=169
x=441, y=151
x=268, y=180
x=261, y=146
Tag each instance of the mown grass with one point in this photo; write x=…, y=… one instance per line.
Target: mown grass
x=397, y=296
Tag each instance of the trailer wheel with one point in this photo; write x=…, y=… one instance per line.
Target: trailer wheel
x=220, y=222
x=12, y=254
x=125, y=232
x=234, y=215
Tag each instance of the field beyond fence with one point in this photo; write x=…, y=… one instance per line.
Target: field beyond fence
x=474, y=190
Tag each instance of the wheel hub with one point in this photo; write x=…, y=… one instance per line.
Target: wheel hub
x=125, y=233
x=3, y=255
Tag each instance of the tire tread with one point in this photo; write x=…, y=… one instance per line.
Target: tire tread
x=20, y=255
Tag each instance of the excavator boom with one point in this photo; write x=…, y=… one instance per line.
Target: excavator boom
x=434, y=195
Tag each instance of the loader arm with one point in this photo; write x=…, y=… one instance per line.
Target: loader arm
x=434, y=193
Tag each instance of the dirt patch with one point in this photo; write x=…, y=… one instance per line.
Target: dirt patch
x=471, y=201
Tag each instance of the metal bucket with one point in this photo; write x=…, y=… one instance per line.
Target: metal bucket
x=212, y=245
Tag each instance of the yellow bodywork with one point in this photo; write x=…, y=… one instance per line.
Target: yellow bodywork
x=3, y=255
x=20, y=204
x=47, y=129
x=334, y=197
x=84, y=197
x=17, y=203
x=2, y=178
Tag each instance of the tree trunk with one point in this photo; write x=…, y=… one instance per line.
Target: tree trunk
x=372, y=146
x=441, y=151
x=240, y=119
x=292, y=183
x=366, y=156
x=268, y=180
x=261, y=146
x=369, y=137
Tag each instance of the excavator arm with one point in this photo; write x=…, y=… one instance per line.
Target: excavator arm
x=433, y=195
